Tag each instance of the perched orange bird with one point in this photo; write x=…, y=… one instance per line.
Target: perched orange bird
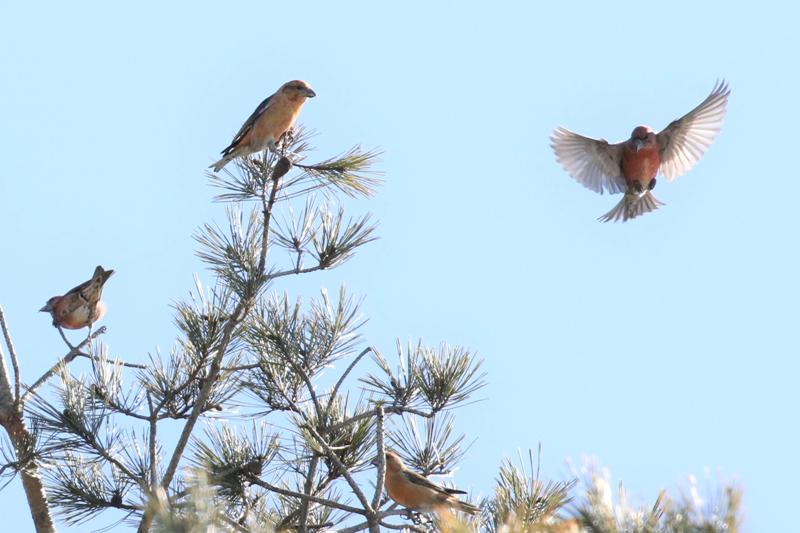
x=417, y=493
x=631, y=166
x=271, y=119
x=81, y=306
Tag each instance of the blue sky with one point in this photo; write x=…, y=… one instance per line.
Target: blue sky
x=663, y=346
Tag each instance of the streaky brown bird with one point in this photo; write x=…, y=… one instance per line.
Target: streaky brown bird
x=80, y=306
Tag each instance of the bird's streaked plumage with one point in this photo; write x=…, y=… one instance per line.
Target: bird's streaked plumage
x=80, y=306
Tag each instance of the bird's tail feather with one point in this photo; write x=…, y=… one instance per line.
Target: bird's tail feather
x=466, y=507
x=101, y=275
x=631, y=206
x=216, y=167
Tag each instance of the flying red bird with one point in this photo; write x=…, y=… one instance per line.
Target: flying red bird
x=416, y=492
x=631, y=166
x=80, y=306
x=271, y=119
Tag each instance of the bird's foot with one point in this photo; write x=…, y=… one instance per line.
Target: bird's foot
x=288, y=139
x=64, y=337
x=652, y=184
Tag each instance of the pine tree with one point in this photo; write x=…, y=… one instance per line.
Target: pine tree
x=245, y=427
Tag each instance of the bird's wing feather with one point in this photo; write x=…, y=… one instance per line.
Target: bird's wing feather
x=80, y=288
x=683, y=142
x=249, y=123
x=594, y=163
x=422, y=481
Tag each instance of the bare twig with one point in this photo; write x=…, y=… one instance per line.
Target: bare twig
x=381, y=459
x=296, y=270
x=73, y=353
x=391, y=409
x=240, y=367
x=347, y=371
x=383, y=514
x=120, y=409
x=267, y=205
x=403, y=527
x=64, y=337
x=309, y=484
x=13, y=353
x=96, y=358
x=152, y=442
x=315, y=499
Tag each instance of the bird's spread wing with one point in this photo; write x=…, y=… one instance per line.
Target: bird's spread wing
x=595, y=164
x=422, y=481
x=682, y=143
x=248, y=124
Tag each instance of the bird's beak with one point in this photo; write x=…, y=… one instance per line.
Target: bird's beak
x=46, y=309
x=310, y=93
x=637, y=144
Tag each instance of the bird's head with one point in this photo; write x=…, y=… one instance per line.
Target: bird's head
x=297, y=89
x=50, y=306
x=641, y=137
x=393, y=462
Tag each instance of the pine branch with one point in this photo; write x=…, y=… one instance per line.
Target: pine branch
x=13, y=353
x=437, y=453
x=302, y=526
x=342, y=468
x=322, y=501
x=344, y=375
x=152, y=447
x=350, y=173
x=380, y=459
x=71, y=355
x=240, y=312
x=230, y=458
x=22, y=441
x=381, y=515
x=522, y=498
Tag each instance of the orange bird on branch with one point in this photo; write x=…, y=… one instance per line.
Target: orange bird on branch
x=272, y=118
x=631, y=166
x=417, y=493
x=80, y=306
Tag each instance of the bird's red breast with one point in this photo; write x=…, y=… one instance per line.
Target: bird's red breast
x=640, y=165
x=81, y=305
x=70, y=313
